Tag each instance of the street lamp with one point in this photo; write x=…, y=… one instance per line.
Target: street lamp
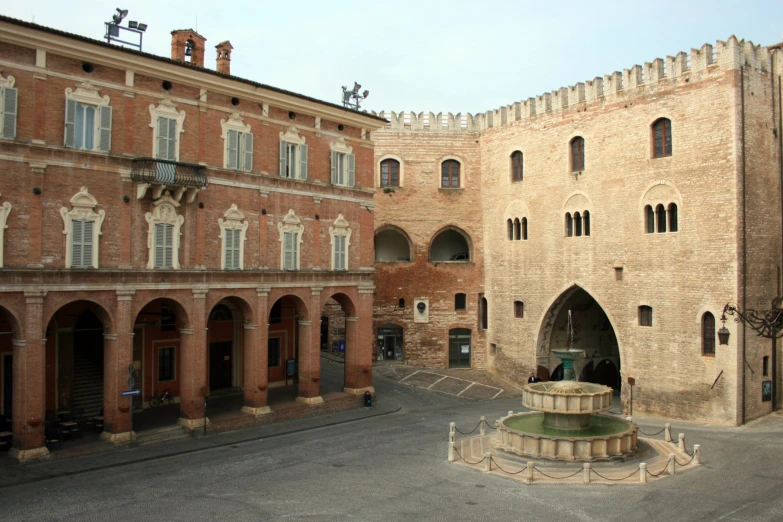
x=114, y=29
x=351, y=98
x=766, y=323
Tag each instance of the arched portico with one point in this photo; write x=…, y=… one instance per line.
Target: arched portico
x=357, y=377
x=593, y=332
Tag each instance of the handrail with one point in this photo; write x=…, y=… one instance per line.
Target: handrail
x=177, y=173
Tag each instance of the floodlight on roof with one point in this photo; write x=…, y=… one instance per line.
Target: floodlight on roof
x=114, y=29
x=133, y=24
x=351, y=98
x=120, y=16
x=142, y=27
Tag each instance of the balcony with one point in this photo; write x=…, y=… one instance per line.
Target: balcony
x=175, y=176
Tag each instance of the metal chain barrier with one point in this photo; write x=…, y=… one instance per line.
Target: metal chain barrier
x=580, y=470
x=490, y=426
x=592, y=470
x=471, y=431
x=466, y=460
x=677, y=462
x=504, y=471
x=656, y=475
x=652, y=434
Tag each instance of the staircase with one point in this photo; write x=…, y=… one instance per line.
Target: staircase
x=87, y=385
x=165, y=434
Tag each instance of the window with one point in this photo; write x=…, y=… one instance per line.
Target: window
x=516, y=166
x=645, y=316
x=577, y=154
x=341, y=239
x=517, y=229
x=390, y=173
x=291, y=231
x=656, y=220
x=449, y=171
x=577, y=224
x=293, y=160
x=166, y=364
x=672, y=211
x=87, y=119
x=524, y=229
x=343, y=169
x=510, y=225
x=662, y=137
x=81, y=238
x=82, y=229
x=239, y=150
x=569, y=225
x=483, y=312
x=765, y=366
x=5, y=209
x=519, y=309
x=708, y=334
x=586, y=222
x=401, y=303
x=660, y=218
x=460, y=301
x=8, y=108
x=167, y=125
x=273, y=349
x=164, y=232
x=233, y=234
x=649, y=220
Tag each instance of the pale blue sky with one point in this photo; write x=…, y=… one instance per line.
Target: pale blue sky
x=426, y=55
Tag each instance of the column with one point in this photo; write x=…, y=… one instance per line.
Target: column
x=310, y=354
x=256, y=378
x=358, y=350
x=29, y=383
x=117, y=360
x=193, y=363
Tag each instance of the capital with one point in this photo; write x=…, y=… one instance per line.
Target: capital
x=250, y=326
x=186, y=331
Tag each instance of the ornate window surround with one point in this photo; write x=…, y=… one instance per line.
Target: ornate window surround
x=83, y=208
x=7, y=82
x=164, y=211
x=340, y=228
x=5, y=209
x=233, y=220
x=87, y=94
x=291, y=135
x=340, y=147
x=236, y=123
x=291, y=223
x=167, y=109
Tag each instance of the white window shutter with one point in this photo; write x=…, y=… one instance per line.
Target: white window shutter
x=160, y=244
x=247, y=166
x=334, y=168
x=87, y=249
x=289, y=261
x=228, y=243
x=77, y=239
x=351, y=181
x=9, y=100
x=163, y=138
x=283, y=159
x=302, y=161
x=172, y=139
x=70, y=122
x=232, y=147
x=104, y=136
x=235, y=246
x=169, y=247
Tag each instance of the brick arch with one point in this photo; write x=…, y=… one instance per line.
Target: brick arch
x=104, y=307
x=238, y=301
x=10, y=316
x=457, y=229
x=346, y=298
x=181, y=310
x=402, y=232
x=301, y=296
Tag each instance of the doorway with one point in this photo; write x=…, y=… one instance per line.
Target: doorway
x=459, y=348
x=220, y=365
x=390, y=343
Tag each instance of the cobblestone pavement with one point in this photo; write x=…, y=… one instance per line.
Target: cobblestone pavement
x=393, y=467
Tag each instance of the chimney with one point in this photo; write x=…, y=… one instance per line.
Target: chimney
x=188, y=46
x=224, y=57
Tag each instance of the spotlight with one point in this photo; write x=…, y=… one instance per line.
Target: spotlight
x=120, y=16
x=133, y=24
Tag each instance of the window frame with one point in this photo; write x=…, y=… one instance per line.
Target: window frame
x=173, y=351
x=82, y=209
x=517, y=166
x=279, y=352
x=232, y=221
x=164, y=212
x=343, y=164
x=244, y=147
x=292, y=144
x=665, y=124
x=645, y=316
x=166, y=109
x=576, y=150
x=340, y=232
x=519, y=310
x=449, y=164
x=8, y=120
x=464, y=298
x=707, y=341
x=87, y=97
x=390, y=181
x=291, y=223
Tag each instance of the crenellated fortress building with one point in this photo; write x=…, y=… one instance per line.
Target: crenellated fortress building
x=641, y=202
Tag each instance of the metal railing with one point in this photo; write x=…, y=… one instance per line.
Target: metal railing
x=175, y=173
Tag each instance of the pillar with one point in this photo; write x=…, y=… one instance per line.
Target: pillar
x=193, y=364
x=310, y=354
x=29, y=362
x=358, y=346
x=117, y=359
x=256, y=358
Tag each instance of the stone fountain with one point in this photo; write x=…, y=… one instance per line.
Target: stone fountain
x=566, y=421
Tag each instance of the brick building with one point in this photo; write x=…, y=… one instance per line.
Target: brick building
x=180, y=220
x=642, y=202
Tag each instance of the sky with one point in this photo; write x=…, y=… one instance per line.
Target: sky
x=426, y=55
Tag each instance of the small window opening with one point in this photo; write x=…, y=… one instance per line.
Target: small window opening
x=459, y=301
x=519, y=309
x=401, y=303
x=765, y=366
x=645, y=316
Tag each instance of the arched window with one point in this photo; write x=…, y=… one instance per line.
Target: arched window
x=649, y=220
x=483, y=313
x=401, y=303
x=662, y=138
x=708, y=334
x=524, y=229
x=449, y=171
x=645, y=316
x=392, y=245
x=516, y=166
x=390, y=173
x=672, y=217
x=459, y=301
x=517, y=231
x=519, y=309
x=450, y=245
x=577, y=224
x=510, y=225
x=569, y=225
x=586, y=222
x=577, y=154
x=660, y=218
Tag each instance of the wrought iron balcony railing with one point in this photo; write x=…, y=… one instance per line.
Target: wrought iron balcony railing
x=171, y=173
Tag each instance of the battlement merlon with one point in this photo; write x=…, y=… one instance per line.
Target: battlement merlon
x=731, y=54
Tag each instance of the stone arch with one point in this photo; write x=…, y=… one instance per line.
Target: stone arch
x=8, y=315
x=299, y=296
x=660, y=191
x=181, y=309
x=239, y=302
x=389, y=228
x=227, y=353
x=453, y=228
x=100, y=306
x=516, y=209
x=576, y=200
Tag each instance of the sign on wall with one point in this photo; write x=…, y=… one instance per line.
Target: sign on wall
x=766, y=391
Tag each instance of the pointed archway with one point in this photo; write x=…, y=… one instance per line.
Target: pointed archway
x=593, y=332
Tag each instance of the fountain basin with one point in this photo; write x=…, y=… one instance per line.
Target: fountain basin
x=526, y=434
x=567, y=397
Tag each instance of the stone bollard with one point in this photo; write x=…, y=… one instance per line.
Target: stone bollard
x=643, y=472
x=488, y=462
x=667, y=437
x=452, y=441
x=671, y=464
x=586, y=467
x=452, y=453
x=629, y=418
x=483, y=424
x=681, y=443
x=510, y=413
x=697, y=454
x=531, y=467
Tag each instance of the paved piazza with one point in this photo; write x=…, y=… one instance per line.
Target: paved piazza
x=388, y=467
